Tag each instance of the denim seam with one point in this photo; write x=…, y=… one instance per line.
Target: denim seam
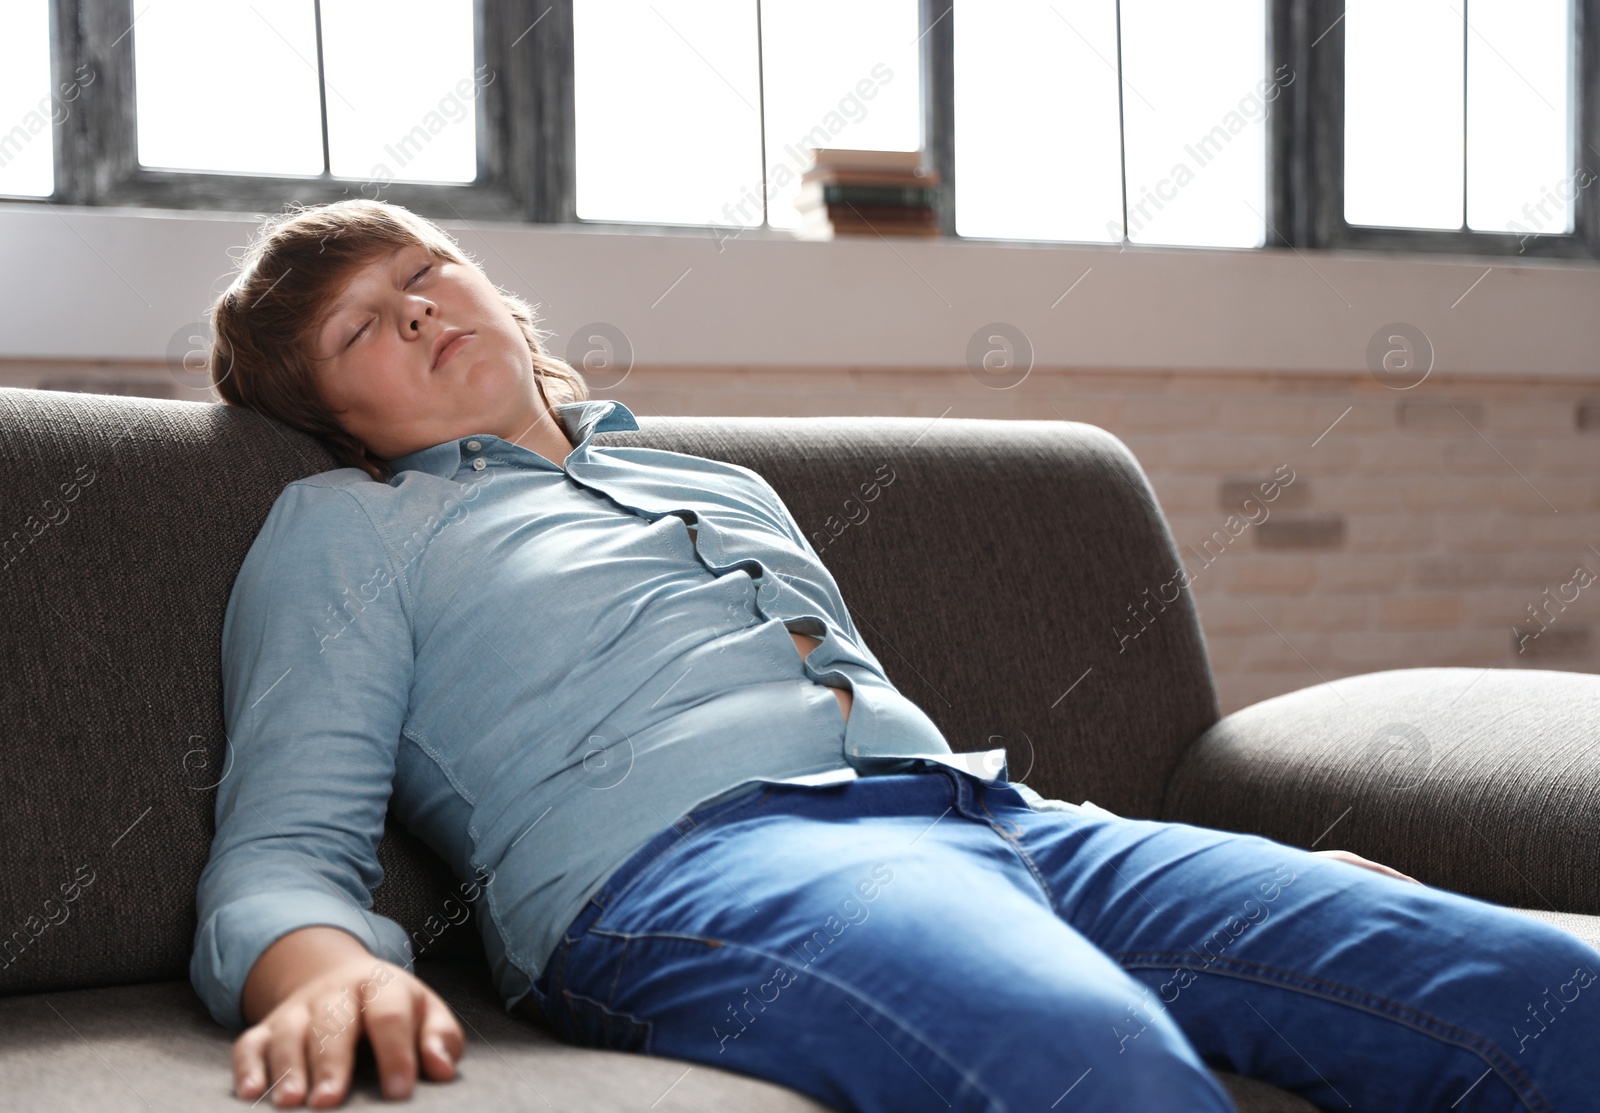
x=1486, y=1049
x=1015, y=842
x=605, y=1011
x=610, y=933
x=968, y=1079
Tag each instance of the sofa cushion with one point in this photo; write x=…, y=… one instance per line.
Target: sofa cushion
x=1483, y=781
x=154, y=1046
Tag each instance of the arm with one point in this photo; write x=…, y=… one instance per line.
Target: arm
x=317, y=656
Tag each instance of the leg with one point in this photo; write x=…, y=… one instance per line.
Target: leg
x=865, y=945
x=1354, y=989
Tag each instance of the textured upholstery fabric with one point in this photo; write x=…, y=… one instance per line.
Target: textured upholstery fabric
x=153, y=1046
x=118, y=1048
x=1020, y=539
x=1484, y=781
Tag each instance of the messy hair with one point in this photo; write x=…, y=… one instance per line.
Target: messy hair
x=261, y=355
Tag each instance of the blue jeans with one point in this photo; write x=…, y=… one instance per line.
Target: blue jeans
x=928, y=940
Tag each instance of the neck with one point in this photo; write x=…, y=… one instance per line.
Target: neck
x=545, y=436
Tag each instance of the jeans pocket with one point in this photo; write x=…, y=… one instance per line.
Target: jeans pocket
x=588, y=1023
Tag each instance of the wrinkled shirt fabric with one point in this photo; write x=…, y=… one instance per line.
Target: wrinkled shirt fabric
x=536, y=667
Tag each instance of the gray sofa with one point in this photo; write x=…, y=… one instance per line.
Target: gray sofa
x=990, y=574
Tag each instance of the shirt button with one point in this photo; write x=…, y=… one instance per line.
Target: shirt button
x=473, y=446
x=478, y=464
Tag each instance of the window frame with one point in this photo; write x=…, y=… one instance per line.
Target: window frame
x=526, y=135
x=1311, y=147
x=518, y=117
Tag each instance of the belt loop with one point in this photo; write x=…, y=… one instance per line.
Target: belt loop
x=959, y=786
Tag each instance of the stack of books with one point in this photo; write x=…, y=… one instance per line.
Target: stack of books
x=871, y=193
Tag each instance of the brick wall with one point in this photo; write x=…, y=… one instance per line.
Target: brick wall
x=1453, y=523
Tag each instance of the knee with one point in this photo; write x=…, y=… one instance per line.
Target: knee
x=1552, y=993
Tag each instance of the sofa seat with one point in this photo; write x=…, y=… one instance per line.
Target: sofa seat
x=153, y=1046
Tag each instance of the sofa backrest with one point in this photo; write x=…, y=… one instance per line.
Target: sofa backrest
x=993, y=567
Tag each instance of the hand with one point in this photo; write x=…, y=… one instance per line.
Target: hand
x=1365, y=863
x=316, y=1028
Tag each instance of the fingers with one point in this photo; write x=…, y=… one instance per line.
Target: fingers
x=331, y=1040
x=1392, y=872
x=442, y=1040
x=286, y=1060
x=393, y=1015
x=305, y=1050
x=1355, y=859
x=249, y=1062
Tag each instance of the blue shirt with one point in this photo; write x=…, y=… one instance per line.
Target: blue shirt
x=537, y=666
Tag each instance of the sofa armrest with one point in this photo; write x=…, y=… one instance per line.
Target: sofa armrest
x=1483, y=781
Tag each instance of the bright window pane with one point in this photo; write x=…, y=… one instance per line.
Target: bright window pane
x=1402, y=113
x=666, y=100
x=1195, y=98
x=228, y=85
x=1519, y=116
x=824, y=89
x=401, y=106
x=1037, y=142
x=27, y=109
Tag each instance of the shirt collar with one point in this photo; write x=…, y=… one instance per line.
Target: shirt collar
x=581, y=420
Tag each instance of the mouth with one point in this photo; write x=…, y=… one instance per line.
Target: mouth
x=450, y=341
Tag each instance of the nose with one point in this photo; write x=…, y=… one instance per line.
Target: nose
x=415, y=322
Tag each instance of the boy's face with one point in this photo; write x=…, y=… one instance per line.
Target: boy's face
x=374, y=357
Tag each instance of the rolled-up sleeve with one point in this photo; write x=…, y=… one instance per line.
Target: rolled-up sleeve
x=317, y=660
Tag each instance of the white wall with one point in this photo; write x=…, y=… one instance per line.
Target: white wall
x=119, y=284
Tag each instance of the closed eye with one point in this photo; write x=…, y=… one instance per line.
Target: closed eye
x=412, y=279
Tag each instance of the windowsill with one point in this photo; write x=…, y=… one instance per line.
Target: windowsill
x=123, y=283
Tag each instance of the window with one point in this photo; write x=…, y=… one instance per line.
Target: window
x=1458, y=117
x=717, y=119
x=342, y=88
x=668, y=110
x=29, y=108
x=1088, y=120
x=1443, y=125
x=1432, y=125
x=1038, y=130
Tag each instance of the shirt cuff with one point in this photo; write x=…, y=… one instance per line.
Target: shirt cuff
x=229, y=943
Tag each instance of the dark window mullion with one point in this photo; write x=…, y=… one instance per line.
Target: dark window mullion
x=1465, y=54
x=322, y=90
x=95, y=146
x=761, y=115
x=1586, y=121
x=1322, y=181
x=530, y=122
x=936, y=56
x=1122, y=130
x=1291, y=152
